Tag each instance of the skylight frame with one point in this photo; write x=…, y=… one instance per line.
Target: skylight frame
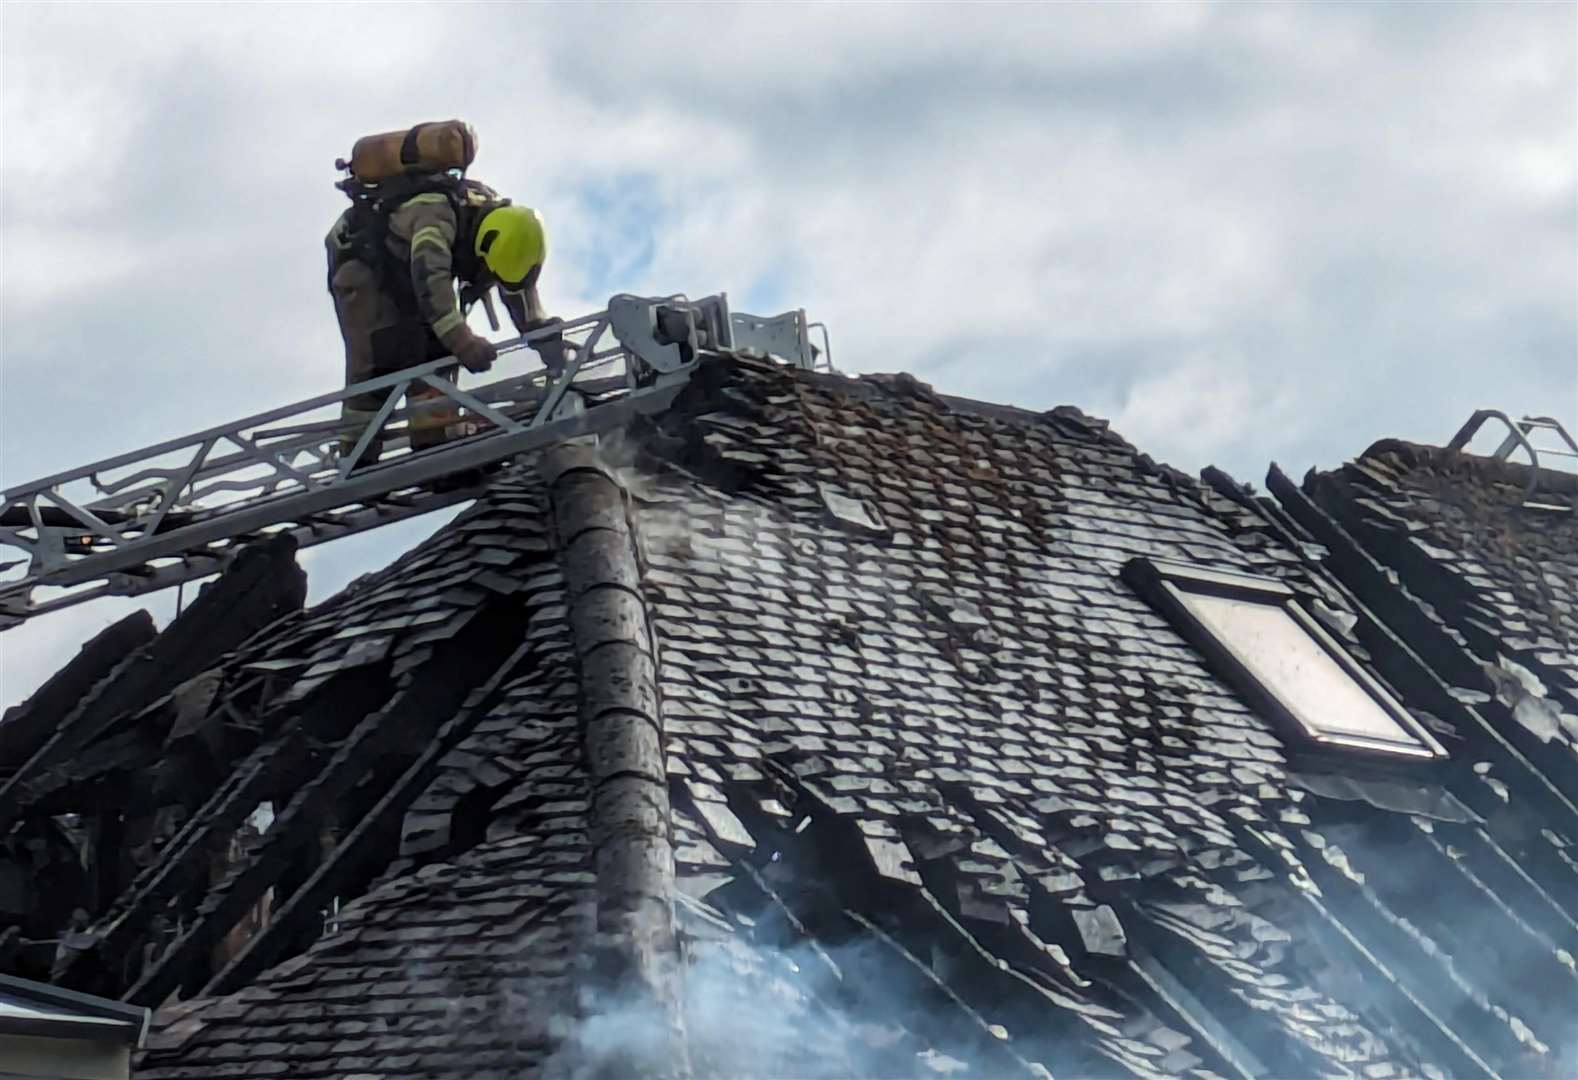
x=1164, y=584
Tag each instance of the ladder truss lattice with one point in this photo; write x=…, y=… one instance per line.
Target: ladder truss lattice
x=177, y=511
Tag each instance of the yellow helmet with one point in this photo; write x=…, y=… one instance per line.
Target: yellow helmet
x=512, y=242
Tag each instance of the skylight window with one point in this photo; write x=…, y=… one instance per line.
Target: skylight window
x=1256, y=636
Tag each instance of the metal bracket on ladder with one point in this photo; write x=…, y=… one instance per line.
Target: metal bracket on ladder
x=787, y=336
x=1519, y=435
x=178, y=510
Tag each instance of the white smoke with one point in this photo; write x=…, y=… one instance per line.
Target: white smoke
x=746, y=1010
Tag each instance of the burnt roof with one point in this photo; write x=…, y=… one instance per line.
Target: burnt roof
x=1496, y=569
x=941, y=792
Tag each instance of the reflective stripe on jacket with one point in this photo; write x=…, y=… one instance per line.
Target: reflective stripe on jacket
x=422, y=234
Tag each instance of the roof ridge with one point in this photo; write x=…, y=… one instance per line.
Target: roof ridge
x=1477, y=467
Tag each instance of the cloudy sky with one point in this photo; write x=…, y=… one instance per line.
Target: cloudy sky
x=1244, y=233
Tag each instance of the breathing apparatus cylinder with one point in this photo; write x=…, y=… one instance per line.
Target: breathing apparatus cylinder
x=431, y=147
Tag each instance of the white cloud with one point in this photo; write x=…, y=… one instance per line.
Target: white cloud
x=1201, y=404
x=1245, y=232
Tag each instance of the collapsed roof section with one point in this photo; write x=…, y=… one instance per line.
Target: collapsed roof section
x=811, y=728
x=1496, y=571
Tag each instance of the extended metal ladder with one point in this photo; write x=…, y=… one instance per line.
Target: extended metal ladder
x=178, y=510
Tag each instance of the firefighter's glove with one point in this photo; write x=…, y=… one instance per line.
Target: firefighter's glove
x=551, y=352
x=476, y=353
x=550, y=347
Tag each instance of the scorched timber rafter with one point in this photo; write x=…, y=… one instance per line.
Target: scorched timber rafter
x=364, y=847
x=402, y=728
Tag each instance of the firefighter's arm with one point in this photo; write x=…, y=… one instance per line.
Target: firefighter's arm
x=527, y=313
x=523, y=303
x=427, y=223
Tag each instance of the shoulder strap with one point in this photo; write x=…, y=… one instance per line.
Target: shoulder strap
x=389, y=195
x=429, y=187
x=368, y=223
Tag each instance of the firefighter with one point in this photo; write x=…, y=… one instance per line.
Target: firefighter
x=394, y=258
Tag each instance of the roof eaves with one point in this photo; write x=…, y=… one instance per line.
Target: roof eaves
x=63, y=1013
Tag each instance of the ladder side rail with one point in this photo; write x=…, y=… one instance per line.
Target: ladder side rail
x=196, y=565
x=301, y=488
x=201, y=564
x=519, y=397
x=191, y=567
x=367, y=484
x=318, y=437
x=510, y=396
x=290, y=441
x=280, y=474
x=249, y=490
x=1551, y=423
x=219, y=432
x=450, y=390
x=47, y=552
x=280, y=413
x=99, y=560
x=1470, y=428
x=133, y=456
x=169, y=482
x=315, y=430
x=271, y=459
x=1515, y=438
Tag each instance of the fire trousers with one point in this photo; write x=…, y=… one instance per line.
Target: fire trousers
x=380, y=339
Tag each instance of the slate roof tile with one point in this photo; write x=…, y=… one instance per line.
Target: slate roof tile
x=964, y=729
